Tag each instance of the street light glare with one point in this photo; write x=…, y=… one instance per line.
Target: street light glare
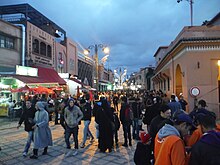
x=86, y=52
x=106, y=50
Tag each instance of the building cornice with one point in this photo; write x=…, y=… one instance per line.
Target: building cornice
x=198, y=44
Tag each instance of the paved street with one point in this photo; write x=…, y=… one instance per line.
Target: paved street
x=12, y=142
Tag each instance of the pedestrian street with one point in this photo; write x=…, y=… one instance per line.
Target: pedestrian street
x=12, y=142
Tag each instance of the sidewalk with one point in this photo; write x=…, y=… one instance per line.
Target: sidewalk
x=12, y=142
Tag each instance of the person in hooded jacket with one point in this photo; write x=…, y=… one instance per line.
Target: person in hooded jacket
x=104, y=117
x=169, y=145
x=42, y=133
x=207, y=150
x=72, y=117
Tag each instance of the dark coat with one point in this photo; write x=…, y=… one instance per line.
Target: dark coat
x=136, y=109
x=155, y=125
x=27, y=117
x=207, y=150
x=122, y=114
x=151, y=112
x=87, y=111
x=104, y=117
x=142, y=154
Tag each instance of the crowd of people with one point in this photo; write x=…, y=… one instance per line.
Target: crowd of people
x=173, y=136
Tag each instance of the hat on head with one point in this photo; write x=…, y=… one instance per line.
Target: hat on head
x=145, y=137
x=183, y=117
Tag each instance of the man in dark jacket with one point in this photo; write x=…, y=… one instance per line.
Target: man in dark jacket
x=158, y=122
x=136, y=113
x=86, y=109
x=27, y=117
x=207, y=149
x=126, y=121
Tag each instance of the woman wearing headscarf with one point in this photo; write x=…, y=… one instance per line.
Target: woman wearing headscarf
x=42, y=132
x=104, y=119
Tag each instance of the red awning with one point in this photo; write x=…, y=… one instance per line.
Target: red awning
x=45, y=75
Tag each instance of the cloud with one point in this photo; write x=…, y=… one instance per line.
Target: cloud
x=133, y=29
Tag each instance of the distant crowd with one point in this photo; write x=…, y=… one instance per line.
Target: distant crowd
x=173, y=136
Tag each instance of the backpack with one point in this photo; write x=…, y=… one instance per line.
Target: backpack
x=128, y=114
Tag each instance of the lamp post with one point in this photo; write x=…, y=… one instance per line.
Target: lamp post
x=191, y=9
x=120, y=77
x=106, y=50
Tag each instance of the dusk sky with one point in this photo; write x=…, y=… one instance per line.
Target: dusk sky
x=133, y=29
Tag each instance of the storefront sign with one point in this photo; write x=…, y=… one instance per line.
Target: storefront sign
x=26, y=71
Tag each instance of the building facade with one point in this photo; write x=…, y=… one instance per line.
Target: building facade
x=189, y=62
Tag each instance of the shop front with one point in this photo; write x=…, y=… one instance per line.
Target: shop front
x=15, y=88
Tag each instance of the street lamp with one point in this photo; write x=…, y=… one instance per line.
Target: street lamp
x=191, y=9
x=106, y=50
x=120, y=76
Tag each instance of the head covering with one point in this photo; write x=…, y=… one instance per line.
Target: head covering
x=145, y=137
x=40, y=105
x=183, y=117
x=70, y=108
x=202, y=103
x=82, y=101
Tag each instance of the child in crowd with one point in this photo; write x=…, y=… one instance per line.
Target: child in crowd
x=142, y=153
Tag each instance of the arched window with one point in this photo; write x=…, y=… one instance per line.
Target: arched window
x=49, y=52
x=43, y=48
x=35, y=46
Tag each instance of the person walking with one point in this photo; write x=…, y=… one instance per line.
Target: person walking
x=104, y=118
x=42, y=133
x=135, y=106
x=125, y=118
x=27, y=117
x=72, y=117
x=116, y=124
x=87, y=114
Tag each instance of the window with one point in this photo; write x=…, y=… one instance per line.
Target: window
x=2, y=40
x=168, y=84
x=49, y=53
x=43, y=48
x=35, y=46
x=164, y=85
x=7, y=42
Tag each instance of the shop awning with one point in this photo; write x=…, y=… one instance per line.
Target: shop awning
x=45, y=76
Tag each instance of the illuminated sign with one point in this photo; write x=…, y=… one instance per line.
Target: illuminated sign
x=64, y=75
x=26, y=71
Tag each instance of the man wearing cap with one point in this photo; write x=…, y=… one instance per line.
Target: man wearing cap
x=169, y=147
x=183, y=102
x=200, y=109
x=174, y=105
x=207, y=149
